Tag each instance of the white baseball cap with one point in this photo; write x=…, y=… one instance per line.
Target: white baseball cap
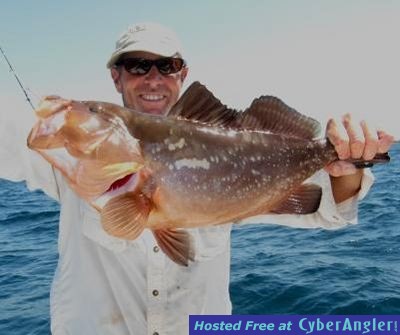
x=148, y=37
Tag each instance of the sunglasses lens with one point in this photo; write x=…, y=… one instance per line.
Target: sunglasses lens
x=169, y=65
x=141, y=66
x=137, y=65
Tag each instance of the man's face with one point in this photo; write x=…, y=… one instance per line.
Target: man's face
x=152, y=92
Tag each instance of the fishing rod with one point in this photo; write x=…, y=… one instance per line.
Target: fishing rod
x=16, y=77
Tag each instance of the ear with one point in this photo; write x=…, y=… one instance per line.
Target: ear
x=184, y=73
x=116, y=76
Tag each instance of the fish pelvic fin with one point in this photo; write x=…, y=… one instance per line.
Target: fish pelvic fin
x=177, y=244
x=303, y=200
x=125, y=216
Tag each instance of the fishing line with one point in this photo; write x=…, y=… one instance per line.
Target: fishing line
x=16, y=77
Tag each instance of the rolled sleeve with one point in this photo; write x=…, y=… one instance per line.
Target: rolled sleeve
x=19, y=163
x=348, y=209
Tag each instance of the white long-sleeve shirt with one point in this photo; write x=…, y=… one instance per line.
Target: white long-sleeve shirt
x=105, y=285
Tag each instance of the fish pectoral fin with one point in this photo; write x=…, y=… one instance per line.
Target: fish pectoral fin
x=304, y=200
x=177, y=245
x=125, y=216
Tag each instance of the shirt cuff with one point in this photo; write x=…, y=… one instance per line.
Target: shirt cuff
x=345, y=212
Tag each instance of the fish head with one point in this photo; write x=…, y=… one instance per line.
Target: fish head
x=69, y=123
x=91, y=145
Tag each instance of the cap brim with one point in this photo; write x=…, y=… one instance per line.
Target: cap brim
x=163, y=50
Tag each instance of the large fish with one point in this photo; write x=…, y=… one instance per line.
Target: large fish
x=202, y=164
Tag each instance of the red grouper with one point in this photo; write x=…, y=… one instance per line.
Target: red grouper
x=202, y=164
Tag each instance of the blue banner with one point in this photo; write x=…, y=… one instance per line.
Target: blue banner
x=294, y=324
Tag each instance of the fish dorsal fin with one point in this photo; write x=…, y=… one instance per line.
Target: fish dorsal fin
x=303, y=200
x=199, y=104
x=125, y=216
x=266, y=113
x=271, y=114
x=176, y=244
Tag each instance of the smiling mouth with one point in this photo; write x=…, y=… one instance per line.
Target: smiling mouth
x=152, y=97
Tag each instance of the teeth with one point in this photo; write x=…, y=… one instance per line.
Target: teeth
x=152, y=97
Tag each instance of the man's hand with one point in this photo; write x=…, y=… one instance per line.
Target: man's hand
x=352, y=141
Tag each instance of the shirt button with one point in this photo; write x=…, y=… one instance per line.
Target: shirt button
x=156, y=249
x=155, y=293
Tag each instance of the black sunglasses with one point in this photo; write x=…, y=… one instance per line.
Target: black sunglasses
x=141, y=66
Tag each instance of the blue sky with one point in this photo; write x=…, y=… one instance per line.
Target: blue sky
x=324, y=58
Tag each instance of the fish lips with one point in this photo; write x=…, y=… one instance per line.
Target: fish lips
x=46, y=133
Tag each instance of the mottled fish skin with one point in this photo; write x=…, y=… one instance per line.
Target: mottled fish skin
x=202, y=164
x=207, y=175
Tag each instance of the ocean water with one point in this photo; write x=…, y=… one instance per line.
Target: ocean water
x=275, y=270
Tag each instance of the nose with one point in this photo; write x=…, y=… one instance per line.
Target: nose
x=153, y=77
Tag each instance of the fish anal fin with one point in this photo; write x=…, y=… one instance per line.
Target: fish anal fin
x=200, y=105
x=303, y=200
x=125, y=216
x=271, y=114
x=177, y=244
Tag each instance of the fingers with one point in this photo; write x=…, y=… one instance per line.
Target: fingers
x=354, y=140
x=370, y=142
x=338, y=138
x=356, y=137
x=385, y=141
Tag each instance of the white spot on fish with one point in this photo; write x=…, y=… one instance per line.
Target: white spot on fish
x=192, y=163
x=247, y=137
x=92, y=123
x=178, y=145
x=213, y=131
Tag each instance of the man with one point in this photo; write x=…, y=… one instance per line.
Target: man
x=104, y=285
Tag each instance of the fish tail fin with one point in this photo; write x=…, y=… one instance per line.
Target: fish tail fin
x=359, y=163
x=125, y=216
x=177, y=244
x=380, y=158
